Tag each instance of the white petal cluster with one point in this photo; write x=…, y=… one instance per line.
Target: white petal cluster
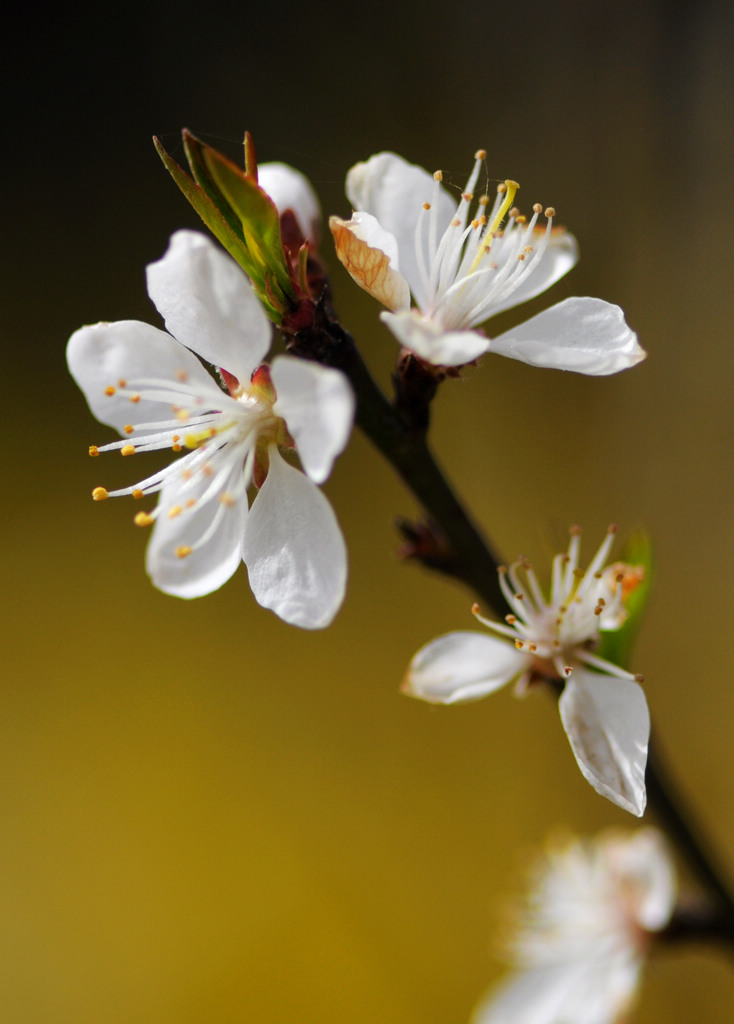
x=466, y=261
x=152, y=386
x=584, y=932
x=602, y=707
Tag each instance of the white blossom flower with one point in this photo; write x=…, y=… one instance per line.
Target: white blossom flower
x=408, y=235
x=585, y=931
x=153, y=389
x=602, y=707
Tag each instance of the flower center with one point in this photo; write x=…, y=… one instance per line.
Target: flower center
x=565, y=626
x=476, y=263
x=227, y=438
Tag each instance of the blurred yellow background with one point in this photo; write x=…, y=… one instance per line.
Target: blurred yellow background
x=208, y=815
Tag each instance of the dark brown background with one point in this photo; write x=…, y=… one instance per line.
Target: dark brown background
x=210, y=816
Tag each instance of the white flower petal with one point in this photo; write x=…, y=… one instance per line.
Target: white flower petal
x=317, y=404
x=462, y=666
x=209, y=565
x=594, y=990
x=291, y=190
x=102, y=355
x=370, y=255
x=560, y=256
x=294, y=549
x=608, y=726
x=432, y=342
x=394, y=192
x=208, y=304
x=581, y=334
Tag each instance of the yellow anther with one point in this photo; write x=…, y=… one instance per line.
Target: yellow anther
x=481, y=154
x=511, y=619
x=174, y=511
x=143, y=519
x=521, y=256
x=190, y=503
x=515, y=211
x=532, y=648
x=176, y=447
x=426, y=206
x=93, y=449
x=134, y=399
x=110, y=391
x=138, y=494
x=182, y=414
x=550, y=211
x=537, y=208
x=128, y=449
x=467, y=196
x=438, y=175
x=483, y=200
x=519, y=644
x=639, y=678
x=501, y=188
x=475, y=609
x=122, y=383
x=183, y=551
x=128, y=428
x=521, y=219
x=225, y=498
x=100, y=494
x=527, y=248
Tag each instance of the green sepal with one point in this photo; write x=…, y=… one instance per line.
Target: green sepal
x=616, y=645
x=193, y=150
x=255, y=210
x=240, y=215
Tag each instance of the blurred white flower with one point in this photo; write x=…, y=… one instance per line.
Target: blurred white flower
x=602, y=707
x=408, y=235
x=584, y=932
x=153, y=389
